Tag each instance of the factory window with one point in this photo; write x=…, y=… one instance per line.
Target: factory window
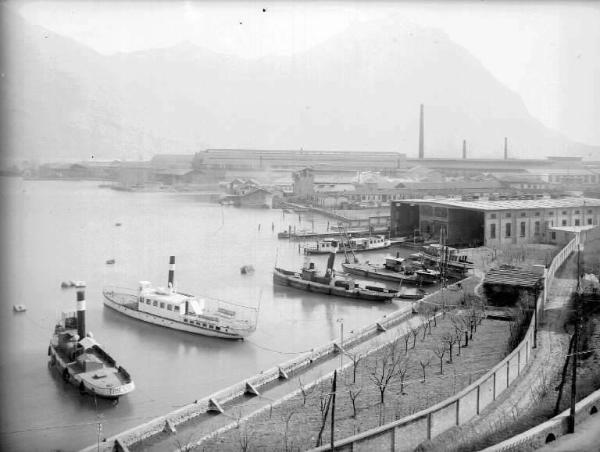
x=553, y=235
x=564, y=222
x=148, y=301
x=550, y=213
x=169, y=307
x=537, y=227
x=589, y=210
x=441, y=212
x=589, y=221
x=162, y=305
x=523, y=214
x=493, y=216
x=507, y=229
x=522, y=229
x=537, y=214
x=507, y=215
x=577, y=212
x=155, y=303
x=576, y=221
x=564, y=212
x=176, y=308
x=185, y=320
x=492, y=231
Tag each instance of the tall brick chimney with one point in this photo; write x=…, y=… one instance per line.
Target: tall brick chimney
x=421, y=135
x=505, y=148
x=464, y=149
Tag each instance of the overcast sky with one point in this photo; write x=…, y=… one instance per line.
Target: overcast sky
x=547, y=52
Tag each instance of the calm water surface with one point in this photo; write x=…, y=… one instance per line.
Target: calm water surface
x=55, y=231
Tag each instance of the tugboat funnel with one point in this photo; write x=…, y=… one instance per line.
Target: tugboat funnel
x=81, y=313
x=330, y=261
x=171, y=283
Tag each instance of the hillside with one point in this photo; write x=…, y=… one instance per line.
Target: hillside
x=359, y=90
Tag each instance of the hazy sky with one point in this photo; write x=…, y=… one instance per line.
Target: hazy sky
x=547, y=52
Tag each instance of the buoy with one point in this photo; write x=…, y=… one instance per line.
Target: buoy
x=110, y=261
x=246, y=269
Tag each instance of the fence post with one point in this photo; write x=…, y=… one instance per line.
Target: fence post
x=507, y=373
x=478, y=391
x=429, y=425
x=519, y=362
x=458, y=411
x=494, y=392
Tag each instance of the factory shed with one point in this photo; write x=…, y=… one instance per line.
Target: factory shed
x=505, y=285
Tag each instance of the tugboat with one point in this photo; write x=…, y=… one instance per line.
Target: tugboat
x=82, y=361
x=394, y=269
x=308, y=279
x=165, y=306
x=453, y=262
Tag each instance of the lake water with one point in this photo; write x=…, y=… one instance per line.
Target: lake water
x=56, y=230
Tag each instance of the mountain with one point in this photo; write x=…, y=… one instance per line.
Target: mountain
x=360, y=90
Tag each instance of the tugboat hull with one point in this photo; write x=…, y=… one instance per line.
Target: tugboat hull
x=369, y=271
x=286, y=278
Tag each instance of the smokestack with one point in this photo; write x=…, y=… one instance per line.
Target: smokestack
x=421, y=134
x=171, y=283
x=464, y=149
x=505, y=148
x=81, y=313
x=330, y=261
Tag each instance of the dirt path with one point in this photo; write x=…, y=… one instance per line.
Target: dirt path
x=552, y=345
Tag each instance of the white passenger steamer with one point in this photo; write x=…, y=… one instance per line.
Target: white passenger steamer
x=180, y=311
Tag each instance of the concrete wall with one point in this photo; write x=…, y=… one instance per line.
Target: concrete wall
x=468, y=403
x=557, y=426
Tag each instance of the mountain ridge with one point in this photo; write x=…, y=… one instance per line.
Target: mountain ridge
x=360, y=89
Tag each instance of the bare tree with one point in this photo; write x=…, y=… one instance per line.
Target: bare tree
x=450, y=340
x=425, y=362
x=435, y=311
x=286, y=444
x=440, y=350
x=305, y=390
x=324, y=403
x=244, y=434
x=414, y=331
x=459, y=338
x=402, y=372
x=354, y=391
x=356, y=359
x=406, y=338
x=424, y=324
x=385, y=370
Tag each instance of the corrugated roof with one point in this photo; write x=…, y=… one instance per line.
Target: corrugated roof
x=510, y=204
x=466, y=185
x=518, y=277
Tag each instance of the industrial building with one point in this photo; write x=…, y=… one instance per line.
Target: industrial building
x=292, y=160
x=491, y=223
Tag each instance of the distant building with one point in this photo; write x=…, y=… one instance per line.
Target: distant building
x=172, y=161
x=293, y=160
x=492, y=223
x=257, y=198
